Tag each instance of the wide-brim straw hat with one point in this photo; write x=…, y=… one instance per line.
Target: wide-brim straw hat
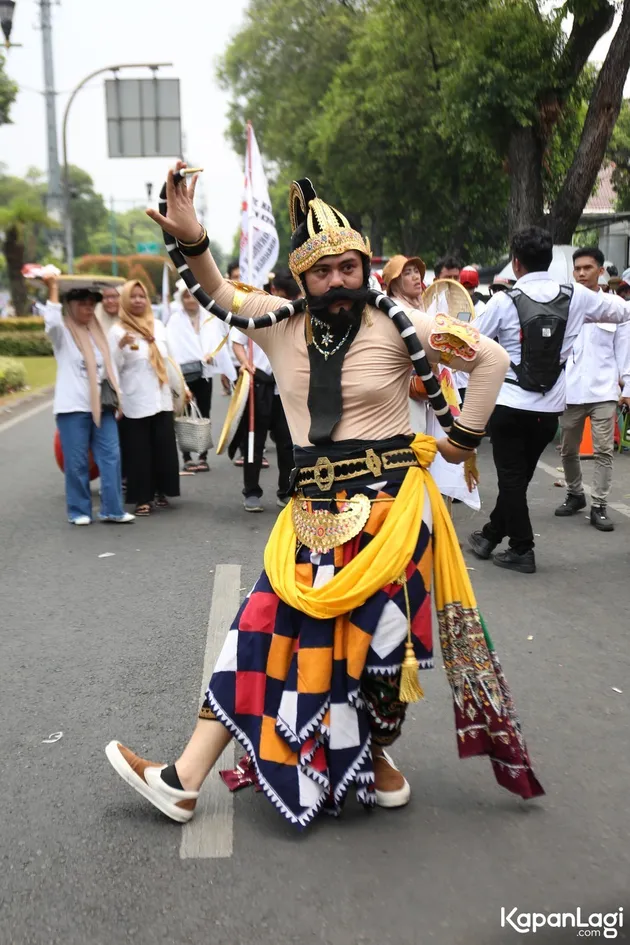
x=394, y=267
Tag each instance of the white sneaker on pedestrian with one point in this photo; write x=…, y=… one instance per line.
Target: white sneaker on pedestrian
x=81, y=520
x=118, y=519
x=253, y=504
x=144, y=777
x=282, y=502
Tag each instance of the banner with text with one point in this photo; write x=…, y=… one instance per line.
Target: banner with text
x=259, y=238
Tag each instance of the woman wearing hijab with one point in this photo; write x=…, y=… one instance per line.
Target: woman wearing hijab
x=85, y=404
x=138, y=346
x=197, y=342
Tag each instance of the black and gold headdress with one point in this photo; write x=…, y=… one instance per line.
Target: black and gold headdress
x=318, y=230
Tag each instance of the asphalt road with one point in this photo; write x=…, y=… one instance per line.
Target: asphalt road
x=100, y=648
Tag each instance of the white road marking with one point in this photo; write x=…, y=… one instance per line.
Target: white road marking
x=26, y=415
x=620, y=507
x=210, y=833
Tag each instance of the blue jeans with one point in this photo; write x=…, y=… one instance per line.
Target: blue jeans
x=79, y=434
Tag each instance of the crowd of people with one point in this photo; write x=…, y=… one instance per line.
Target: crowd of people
x=113, y=397
x=112, y=334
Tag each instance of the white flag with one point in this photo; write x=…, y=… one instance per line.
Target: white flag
x=259, y=238
x=166, y=295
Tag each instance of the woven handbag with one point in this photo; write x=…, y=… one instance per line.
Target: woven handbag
x=194, y=432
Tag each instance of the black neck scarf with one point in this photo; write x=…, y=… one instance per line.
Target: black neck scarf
x=324, y=389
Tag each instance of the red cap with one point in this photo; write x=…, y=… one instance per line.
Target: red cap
x=469, y=277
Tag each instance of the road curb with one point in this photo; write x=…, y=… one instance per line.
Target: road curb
x=37, y=397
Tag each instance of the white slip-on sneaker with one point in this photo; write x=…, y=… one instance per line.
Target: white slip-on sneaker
x=81, y=520
x=118, y=519
x=392, y=788
x=144, y=777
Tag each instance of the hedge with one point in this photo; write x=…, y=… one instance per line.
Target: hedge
x=22, y=344
x=25, y=323
x=12, y=375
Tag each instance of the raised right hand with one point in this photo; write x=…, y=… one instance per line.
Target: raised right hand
x=127, y=339
x=52, y=284
x=180, y=220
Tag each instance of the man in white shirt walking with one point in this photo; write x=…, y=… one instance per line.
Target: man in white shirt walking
x=537, y=322
x=599, y=360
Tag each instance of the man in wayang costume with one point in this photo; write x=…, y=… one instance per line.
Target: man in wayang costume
x=323, y=655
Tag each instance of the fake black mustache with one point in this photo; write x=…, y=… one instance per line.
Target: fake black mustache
x=319, y=304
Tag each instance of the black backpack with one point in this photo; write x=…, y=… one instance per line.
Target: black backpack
x=543, y=325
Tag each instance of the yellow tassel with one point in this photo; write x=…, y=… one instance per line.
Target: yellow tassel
x=309, y=329
x=410, y=688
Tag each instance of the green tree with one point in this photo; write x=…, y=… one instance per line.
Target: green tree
x=130, y=228
x=16, y=217
x=8, y=93
x=442, y=126
x=520, y=77
x=87, y=209
x=392, y=155
x=23, y=221
x=619, y=154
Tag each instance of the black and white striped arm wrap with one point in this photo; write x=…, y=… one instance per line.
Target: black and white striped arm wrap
x=388, y=306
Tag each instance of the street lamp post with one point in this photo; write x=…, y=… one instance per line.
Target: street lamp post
x=7, y=9
x=67, y=220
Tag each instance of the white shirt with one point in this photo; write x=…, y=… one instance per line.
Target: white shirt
x=599, y=360
x=186, y=345
x=142, y=393
x=500, y=321
x=72, y=387
x=261, y=361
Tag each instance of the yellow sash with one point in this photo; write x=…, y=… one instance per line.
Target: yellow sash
x=385, y=558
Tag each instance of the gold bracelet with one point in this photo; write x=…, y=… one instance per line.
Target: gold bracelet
x=197, y=242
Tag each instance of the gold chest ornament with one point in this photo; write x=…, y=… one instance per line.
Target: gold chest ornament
x=320, y=529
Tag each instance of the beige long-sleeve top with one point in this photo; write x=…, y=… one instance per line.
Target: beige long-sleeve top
x=375, y=374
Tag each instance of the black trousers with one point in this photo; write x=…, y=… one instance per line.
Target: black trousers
x=268, y=418
x=519, y=438
x=201, y=390
x=150, y=453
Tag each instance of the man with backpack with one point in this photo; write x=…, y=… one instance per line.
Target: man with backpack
x=599, y=360
x=537, y=323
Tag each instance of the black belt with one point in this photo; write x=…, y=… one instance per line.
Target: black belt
x=368, y=465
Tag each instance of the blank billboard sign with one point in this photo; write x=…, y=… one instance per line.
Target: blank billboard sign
x=143, y=118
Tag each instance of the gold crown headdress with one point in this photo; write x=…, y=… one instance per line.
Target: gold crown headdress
x=327, y=232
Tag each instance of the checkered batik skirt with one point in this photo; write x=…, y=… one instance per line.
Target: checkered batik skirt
x=291, y=691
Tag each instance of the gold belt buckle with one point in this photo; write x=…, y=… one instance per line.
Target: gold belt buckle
x=324, y=473
x=373, y=462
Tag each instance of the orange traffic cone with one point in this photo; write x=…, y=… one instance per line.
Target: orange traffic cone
x=586, y=446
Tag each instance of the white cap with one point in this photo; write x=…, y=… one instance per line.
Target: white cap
x=626, y=276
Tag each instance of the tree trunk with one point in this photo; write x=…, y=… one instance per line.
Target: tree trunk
x=14, y=255
x=525, y=155
x=376, y=237
x=600, y=121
